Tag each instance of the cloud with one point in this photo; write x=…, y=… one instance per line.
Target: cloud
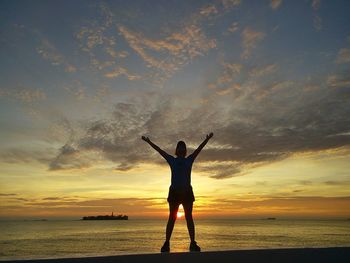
x=265, y=70
x=305, y=182
x=209, y=10
x=27, y=95
x=317, y=22
x=338, y=81
x=116, y=72
x=166, y=55
x=261, y=119
x=342, y=183
x=95, y=33
x=227, y=90
x=275, y=4
x=15, y=155
x=250, y=39
x=225, y=82
x=163, y=56
x=49, y=52
x=298, y=206
x=264, y=123
x=91, y=94
x=121, y=203
x=221, y=170
x=71, y=206
x=229, y=4
x=98, y=40
x=343, y=56
x=175, y=51
x=315, y=4
x=230, y=71
x=233, y=73
x=233, y=27
x=70, y=157
x=116, y=55
x=77, y=89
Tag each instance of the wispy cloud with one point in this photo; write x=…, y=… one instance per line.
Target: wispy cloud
x=265, y=70
x=338, y=81
x=228, y=4
x=163, y=56
x=275, y=4
x=71, y=206
x=301, y=206
x=27, y=95
x=338, y=182
x=226, y=82
x=49, y=52
x=98, y=40
x=221, y=170
x=228, y=89
x=208, y=10
x=250, y=39
x=77, y=89
x=230, y=71
x=231, y=29
x=233, y=74
x=20, y=155
x=315, y=4
x=343, y=56
x=316, y=18
x=176, y=50
x=116, y=72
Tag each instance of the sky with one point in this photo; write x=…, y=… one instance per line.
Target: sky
x=82, y=81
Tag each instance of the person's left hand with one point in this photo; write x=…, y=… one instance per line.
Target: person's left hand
x=210, y=135
x=146, y=139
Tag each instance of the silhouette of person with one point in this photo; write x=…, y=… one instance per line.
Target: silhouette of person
x=180, y=190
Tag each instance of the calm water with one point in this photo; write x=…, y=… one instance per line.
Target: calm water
x=50, y=239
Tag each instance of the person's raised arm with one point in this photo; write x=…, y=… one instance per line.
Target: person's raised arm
x=156, y=147
x=201, y=146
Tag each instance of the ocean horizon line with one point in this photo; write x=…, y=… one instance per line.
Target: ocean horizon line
x=179, y=219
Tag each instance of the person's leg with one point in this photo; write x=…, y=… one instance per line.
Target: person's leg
x=173, y=208
x=189, y=219
x=190, y=225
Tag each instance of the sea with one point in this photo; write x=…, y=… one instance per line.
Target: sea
x=77, y=238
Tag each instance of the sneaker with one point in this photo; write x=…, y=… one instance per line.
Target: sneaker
x=165, y=247
x=194, y=247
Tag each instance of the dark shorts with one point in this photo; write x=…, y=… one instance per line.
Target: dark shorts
x=180, y=196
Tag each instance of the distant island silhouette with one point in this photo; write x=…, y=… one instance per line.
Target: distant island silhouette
x=106, y=217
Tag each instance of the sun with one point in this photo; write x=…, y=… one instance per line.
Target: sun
x=179, y=214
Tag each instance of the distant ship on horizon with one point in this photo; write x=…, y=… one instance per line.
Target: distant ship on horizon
x=106, y=217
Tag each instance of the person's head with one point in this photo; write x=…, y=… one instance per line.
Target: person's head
x=181, y=149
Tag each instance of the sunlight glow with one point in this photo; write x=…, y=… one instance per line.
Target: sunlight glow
x=179, y=213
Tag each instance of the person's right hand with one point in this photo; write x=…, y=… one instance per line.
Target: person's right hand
x=210, y=135
x=146, y=139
